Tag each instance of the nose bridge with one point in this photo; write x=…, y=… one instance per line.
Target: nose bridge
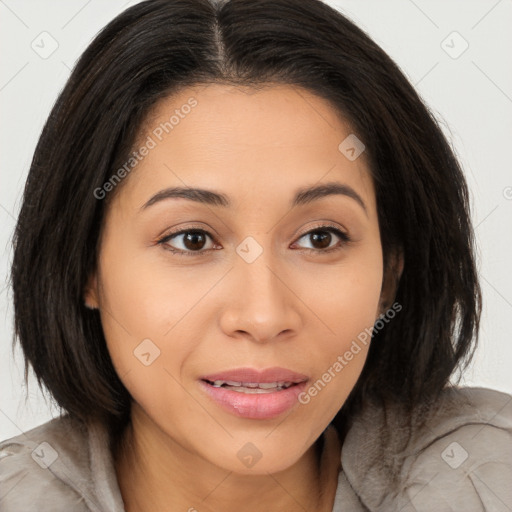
x=257, y=273
x=254, y=268
x=263, y=306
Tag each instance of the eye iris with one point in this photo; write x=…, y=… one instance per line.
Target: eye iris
x=193, y=236
x=324, y=237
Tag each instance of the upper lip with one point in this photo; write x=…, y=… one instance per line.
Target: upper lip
x=267, y=375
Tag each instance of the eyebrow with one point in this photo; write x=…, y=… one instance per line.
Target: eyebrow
x=302, y=196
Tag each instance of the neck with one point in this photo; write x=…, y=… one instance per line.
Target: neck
x=154, y=472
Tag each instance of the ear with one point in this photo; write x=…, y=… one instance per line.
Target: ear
x=91, y=293
x=391, y=279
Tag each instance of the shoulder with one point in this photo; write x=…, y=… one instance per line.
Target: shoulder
x=456, y=455
x=48, y=461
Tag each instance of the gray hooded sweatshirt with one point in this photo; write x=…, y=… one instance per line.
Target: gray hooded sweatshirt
x=459, y=460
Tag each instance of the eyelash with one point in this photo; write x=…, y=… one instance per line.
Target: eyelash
x=345, y=240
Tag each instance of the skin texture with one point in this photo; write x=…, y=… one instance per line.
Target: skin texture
x=212, y=312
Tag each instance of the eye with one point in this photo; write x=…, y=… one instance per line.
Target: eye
x=321, y=236
x=193, y=241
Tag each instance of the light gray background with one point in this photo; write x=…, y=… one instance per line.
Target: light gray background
x=470, y=93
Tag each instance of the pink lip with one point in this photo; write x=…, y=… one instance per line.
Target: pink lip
x=255, y=406
x=274, y=374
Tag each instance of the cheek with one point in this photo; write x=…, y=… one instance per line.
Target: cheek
x=141, y=296
x=347, y=309
x=346, y=299
x=149, y=313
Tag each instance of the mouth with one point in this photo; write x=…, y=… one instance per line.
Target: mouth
x=251, y=387
x=255, y=394
x=252, y=378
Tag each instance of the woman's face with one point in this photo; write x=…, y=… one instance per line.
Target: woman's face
x=247, y=287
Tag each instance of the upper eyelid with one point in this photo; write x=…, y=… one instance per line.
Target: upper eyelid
x=326, y=227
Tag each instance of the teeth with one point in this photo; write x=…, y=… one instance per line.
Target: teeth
x=252, y=385
x=254, y=391
x=268, y=385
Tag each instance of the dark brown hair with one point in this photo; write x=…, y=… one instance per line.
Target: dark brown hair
x=158, y=47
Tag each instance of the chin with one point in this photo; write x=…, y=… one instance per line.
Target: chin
x=258, y=458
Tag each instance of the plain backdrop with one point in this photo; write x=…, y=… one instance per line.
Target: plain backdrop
x=456, y=53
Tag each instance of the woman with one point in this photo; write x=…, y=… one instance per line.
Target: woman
x=244, y=268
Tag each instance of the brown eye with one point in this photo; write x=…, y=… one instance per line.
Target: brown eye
x=322, y=237
x=192, y=241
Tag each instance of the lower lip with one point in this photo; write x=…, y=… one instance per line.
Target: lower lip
x=256, y=406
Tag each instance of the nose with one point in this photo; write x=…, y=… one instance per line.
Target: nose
x=261, y=304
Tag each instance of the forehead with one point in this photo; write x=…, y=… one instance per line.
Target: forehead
x=245, y=142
